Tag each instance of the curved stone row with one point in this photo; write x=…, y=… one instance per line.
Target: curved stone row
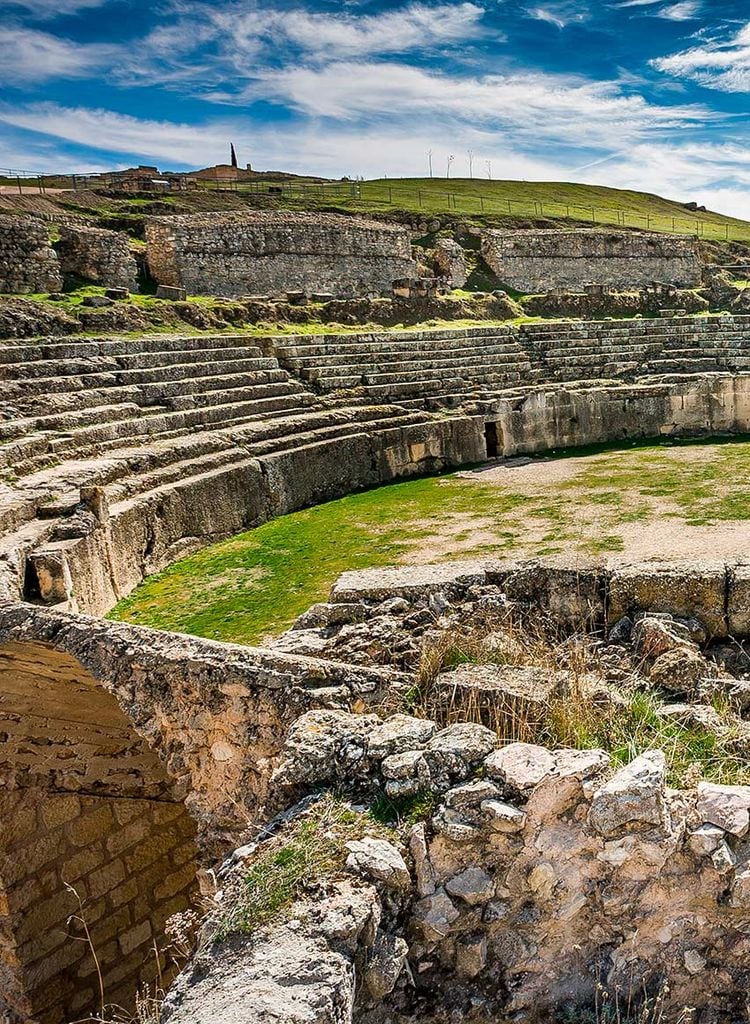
x=118, y=455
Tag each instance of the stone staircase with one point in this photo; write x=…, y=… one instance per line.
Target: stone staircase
x=140, y=416
x=409, y=365
x=449, y=366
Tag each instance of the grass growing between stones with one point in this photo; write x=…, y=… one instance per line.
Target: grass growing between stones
x=681, y=499
x=306, y=852
x=625, y=717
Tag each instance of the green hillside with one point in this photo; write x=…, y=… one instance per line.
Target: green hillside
x=552, y=200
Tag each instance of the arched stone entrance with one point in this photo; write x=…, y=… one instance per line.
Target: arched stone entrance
x=92, y=830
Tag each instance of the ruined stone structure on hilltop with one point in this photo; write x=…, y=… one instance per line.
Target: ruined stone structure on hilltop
x=270, y=253
x=538, y=261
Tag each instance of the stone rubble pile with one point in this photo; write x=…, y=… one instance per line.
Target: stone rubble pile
x=539, y=871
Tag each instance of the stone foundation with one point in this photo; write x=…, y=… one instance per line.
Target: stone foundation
x=538, y=261
x=272, y=253
x=28, y=263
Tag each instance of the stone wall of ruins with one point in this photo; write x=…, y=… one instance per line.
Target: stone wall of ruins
x=130, y=756
x=273, y=253
x=28, y=263
x=102, y=257
x=538, y=261
x=88, y=564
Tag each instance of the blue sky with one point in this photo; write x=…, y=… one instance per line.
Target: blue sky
x=651, y=94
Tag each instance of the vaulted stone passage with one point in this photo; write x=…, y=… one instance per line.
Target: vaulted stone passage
x=93, y=831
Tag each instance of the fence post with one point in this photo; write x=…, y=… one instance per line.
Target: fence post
x=593, y=215
x=509, y=209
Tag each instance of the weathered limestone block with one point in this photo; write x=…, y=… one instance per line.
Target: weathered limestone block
x=520, y=766
x=738, y=600
x=323, y=745
x=238, y=254
x=728, y=807
x=295, y=974
x=454, y=751
x=379, y=861
x=694, y=590
x=635, y=795
x=385, y=961
x=499, y=694
x=537, y=261
x=408, y=581
x=28, y=263
x=397, y=734
x=572, y=594
x=97, y=255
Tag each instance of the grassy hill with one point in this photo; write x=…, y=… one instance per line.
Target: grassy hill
x=593, y=204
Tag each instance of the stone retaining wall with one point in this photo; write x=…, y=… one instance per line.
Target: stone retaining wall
x=127, y=752
x=579, y=593
x=102, y=257
x=272, y=253
x=28, y=263
x=537, y=261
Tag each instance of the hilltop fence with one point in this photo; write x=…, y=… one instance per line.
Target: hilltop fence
x=381, y=194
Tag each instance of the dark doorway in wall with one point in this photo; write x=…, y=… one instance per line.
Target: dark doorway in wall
x=491, y=440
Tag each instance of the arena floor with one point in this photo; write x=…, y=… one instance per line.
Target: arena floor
x=670, y=500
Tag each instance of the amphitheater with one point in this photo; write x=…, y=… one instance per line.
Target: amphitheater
x=141, y=769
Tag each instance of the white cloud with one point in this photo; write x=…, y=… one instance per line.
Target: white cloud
x=686, y=10
x=107, y=131
x=560, y=16
x=29, y=55
x=545, y=107
x=242, y=29
x=714, y=64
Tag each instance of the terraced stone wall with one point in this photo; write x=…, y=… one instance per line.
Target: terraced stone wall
x=90, y=568
x=273, y=253
x=102, y=257
x=28, y=263
x=538, y=261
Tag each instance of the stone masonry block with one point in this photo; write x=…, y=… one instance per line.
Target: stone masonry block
x=690, y=590
x=738, y=603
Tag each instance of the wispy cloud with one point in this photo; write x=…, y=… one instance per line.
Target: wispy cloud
x=717, y=64
x=29, y=55
x=243, y=28
x=50, y=8
x=560, y=14
x=683, y=10
x=686, y=10
x=541, y=106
